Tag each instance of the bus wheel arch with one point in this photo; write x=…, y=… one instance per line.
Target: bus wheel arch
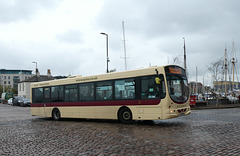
x=56, y=114
x=125, y=115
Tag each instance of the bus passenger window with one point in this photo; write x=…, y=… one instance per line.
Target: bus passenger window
x=61, y=94
x=162, y=87
x=86, y=92
x=71, y=93
x=57, y=94
x=151, y=90
x=104, y=90
x=37, y=95
x=46, y=95
x=125, y=89
x=54, y=94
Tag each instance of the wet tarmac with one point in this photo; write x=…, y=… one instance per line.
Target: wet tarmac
x=203, y=132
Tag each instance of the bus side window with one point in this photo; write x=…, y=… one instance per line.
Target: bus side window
x=61, y=94
x=37, y=95
x=125, y=89
x=149, y=89
x=71, y=93
x=54, y=93
x=46, y=93
x=104, y=90
x=162, y=87
x=86, y=92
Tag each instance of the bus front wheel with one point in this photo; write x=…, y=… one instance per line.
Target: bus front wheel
x=125, y=116
x=56, y=115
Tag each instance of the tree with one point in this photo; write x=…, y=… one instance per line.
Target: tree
x=216, y=68
x=177, y=60
x=8, y=89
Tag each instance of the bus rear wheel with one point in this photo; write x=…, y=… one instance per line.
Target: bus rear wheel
x=56, y=115
x=125, y=116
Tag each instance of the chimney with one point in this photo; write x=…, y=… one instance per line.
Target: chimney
x=49, y=73
x=37, y=75
x=37, y=72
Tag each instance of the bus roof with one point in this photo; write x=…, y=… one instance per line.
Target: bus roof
x=101, y=77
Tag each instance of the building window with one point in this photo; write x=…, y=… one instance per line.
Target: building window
x=5, y=82
x=5, y=77
x=9, y=77
x=9, y=82
x=23, y=87
x=15, y=77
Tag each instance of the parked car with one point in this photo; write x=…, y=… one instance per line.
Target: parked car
x=10, y=101
x=17, y=101
x=25, y=103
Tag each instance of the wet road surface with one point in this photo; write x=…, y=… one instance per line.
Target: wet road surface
x=203, y=132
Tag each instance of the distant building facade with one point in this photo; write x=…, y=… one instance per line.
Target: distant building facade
x=24, y=86
x=13, y=77
x=220, y=86
x=192, y=87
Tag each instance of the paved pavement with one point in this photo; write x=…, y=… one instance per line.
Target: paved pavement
x=214, y=106
x=203, y=132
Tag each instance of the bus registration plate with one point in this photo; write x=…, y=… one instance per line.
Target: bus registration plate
x=181, y=114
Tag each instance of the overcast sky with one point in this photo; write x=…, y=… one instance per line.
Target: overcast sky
x=64, y=35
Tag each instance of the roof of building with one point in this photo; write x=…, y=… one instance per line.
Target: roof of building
x=13, y=71
x=39, y=78
x=60, y=77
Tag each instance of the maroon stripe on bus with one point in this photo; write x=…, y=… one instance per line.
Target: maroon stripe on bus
x=99, y=103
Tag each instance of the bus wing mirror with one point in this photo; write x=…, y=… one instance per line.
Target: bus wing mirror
x=158, y=80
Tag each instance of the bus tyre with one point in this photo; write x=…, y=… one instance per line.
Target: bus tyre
x=125, y=116
x=56, y=115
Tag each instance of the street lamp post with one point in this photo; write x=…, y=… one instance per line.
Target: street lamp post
x=36, y=70
x=106, y=48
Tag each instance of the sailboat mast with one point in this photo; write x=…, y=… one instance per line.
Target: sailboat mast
x=233, y=62
x=225, y=72
x=124, y=45
x=196, y=82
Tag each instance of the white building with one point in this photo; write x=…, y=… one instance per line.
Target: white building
x=24, y=86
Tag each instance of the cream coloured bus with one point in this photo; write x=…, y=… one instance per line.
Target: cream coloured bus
x=154, y=93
